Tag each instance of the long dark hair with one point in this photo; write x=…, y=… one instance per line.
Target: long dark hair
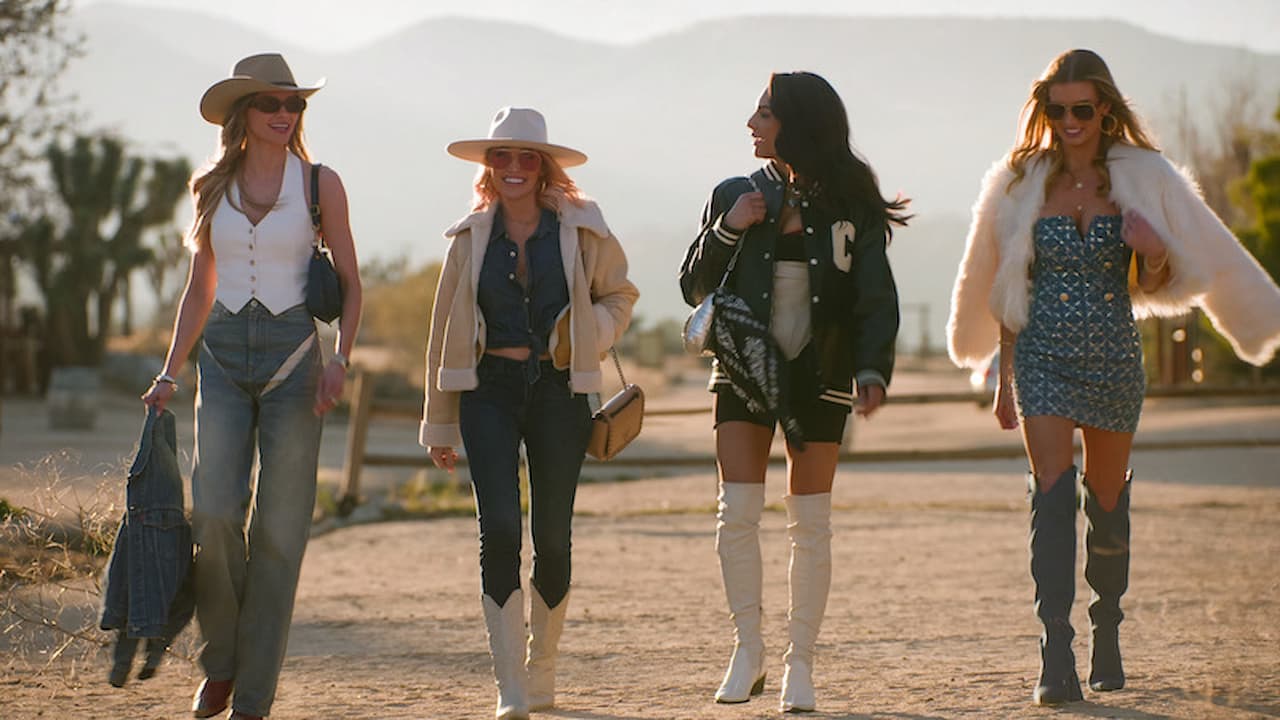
x=1035, y=133
x=814, y=141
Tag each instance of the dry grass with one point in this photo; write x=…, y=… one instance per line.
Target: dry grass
x=52, y=554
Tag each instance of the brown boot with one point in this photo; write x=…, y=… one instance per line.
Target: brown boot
x=211, y=698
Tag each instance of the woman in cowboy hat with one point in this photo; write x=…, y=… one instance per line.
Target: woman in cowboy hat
x=533, y=293
x=809, y=232
x=263, y=387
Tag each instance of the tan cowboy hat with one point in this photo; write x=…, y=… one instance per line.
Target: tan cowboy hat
x=517, y=128
x=267, y=72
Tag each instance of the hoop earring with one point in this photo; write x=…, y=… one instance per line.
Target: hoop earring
x=1115, y=124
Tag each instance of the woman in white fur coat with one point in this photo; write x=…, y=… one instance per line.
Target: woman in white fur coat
x=1082, y=227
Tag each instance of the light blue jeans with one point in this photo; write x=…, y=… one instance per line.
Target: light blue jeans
x=257, y=381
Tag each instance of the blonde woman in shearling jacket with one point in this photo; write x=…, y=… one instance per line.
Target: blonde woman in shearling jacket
x=1081, y=227
x=533, y=293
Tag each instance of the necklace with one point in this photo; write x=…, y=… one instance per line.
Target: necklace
x=794, y=196
x=1076, y=184
x=249, y=200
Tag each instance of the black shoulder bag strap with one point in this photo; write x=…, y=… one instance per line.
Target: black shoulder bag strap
x=315, y=205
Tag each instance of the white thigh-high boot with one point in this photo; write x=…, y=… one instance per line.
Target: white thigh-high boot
x=545, y=625
x=809, y=527
x=738, y=544
x=506, y=643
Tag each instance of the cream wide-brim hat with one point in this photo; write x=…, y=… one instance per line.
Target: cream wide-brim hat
x=516, y=128
x=267, y=72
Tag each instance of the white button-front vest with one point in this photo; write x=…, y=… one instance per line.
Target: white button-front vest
x=267, y=261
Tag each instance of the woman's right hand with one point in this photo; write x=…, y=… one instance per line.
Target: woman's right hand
x=443, y=456
x=747, y=210
x=158, y=395
x=1003, y=407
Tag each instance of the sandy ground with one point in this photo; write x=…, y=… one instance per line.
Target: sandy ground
x=930, y=613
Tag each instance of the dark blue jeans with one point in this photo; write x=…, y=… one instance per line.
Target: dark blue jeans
x=527, y=402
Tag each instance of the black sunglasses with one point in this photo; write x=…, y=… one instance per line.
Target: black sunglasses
x=1083, y=111
x=293, y=104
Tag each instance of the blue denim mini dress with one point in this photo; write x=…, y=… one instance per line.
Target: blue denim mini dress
x=1080, y=355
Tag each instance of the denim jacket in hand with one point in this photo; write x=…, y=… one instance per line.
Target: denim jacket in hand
x=147, y=591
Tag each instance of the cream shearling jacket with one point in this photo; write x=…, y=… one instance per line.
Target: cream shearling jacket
x=599, y=310
x=1209, y=266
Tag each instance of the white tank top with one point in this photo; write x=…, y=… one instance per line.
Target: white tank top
x=267, y=261
x=790, y=324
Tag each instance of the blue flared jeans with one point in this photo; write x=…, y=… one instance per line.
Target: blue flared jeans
x=527, y=402
x=258, y=374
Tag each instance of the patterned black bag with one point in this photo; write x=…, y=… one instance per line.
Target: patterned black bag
x=749, y=356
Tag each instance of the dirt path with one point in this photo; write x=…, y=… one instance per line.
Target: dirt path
x=930, y=614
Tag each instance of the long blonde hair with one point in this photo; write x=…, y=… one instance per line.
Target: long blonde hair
x=1036, y=138
x=554, y=186
x=210, y=183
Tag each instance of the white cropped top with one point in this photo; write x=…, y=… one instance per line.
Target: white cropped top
x=267, y=261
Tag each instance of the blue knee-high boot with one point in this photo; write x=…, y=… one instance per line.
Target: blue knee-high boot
x=1053, y=562
x=1107, y=571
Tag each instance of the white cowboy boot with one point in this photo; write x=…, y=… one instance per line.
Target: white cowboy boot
x=545, y=625
x=506, y=644
x=738, y=544
x=809, y=578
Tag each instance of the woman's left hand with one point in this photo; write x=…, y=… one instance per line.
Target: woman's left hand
x=1139, y=235
x=870, y=398
x=329, y=390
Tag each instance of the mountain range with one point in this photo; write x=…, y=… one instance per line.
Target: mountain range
x=932, y=103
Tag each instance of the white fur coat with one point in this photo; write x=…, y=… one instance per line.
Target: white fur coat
x=1209, y=266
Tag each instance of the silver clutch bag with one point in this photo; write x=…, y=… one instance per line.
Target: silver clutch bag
x=697, y=327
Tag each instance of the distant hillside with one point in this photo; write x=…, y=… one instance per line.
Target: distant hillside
x=932, y=103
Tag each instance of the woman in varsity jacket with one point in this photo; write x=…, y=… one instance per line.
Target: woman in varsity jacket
x=812, y=228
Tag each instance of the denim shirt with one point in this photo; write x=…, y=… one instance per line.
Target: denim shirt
x=147, y=592
x=522, y=315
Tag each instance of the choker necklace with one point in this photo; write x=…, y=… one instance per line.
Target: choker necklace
x=794, y=196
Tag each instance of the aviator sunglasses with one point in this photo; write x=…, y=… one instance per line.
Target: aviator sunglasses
x=501, y=158
x=293, y=104
x=1082, y=111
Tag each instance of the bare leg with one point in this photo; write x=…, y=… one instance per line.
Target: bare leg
x=1047, y=439
x=1106, y=463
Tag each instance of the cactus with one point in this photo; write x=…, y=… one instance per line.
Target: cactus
x=81, y=259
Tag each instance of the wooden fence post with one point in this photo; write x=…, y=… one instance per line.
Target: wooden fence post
x=357, y=434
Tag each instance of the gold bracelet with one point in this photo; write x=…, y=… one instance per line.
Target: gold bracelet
x=1146, y=263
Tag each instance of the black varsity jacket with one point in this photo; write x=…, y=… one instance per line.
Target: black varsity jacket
x=854, y=302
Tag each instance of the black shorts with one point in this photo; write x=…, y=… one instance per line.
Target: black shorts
x=820, y=421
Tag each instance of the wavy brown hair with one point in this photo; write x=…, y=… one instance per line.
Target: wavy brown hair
x=1036, y=138
x=209, y=184
x=554, y=185
x=814, y=140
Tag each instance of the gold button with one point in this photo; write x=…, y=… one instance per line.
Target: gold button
x=1109, y=297
x=1064, y=297
x=1107, y=264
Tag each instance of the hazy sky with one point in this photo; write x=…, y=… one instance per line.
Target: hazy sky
x=343, y=24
